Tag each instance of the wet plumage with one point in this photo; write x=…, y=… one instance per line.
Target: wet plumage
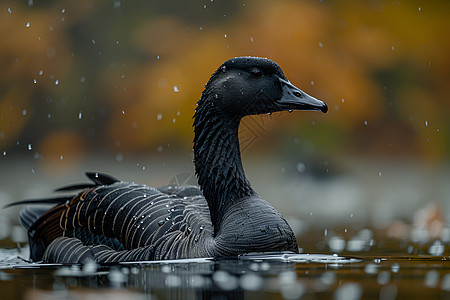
x=110, y=220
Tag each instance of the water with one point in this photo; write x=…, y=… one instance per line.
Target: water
x=251, y=276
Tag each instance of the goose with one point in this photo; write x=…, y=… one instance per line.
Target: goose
x=110, y=220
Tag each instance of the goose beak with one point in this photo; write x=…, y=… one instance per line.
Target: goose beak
x=295, y=99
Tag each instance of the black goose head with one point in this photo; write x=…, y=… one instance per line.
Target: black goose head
x=249, y=85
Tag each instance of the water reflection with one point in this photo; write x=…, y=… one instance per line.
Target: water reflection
x=253, y=276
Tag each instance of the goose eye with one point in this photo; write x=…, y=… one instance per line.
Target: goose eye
x=255, y=72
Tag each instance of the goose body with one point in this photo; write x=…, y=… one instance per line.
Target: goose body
x=112, y=221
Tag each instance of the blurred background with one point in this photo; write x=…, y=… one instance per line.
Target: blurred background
x=111, y=85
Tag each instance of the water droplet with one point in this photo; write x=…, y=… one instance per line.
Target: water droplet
x=9, y=10
x=56, y=82
x=379, y=173
x=312, y=82
x=4, y=153
x=176, y=89
x=291, y=110
x=80, y=115
x=251, y=39
x=174, y=120
x=426, y=123
x=34, y=81
x=93, y=42
x=320, y=44
x=365, y=122
x=420, y=9
x=24, y=112
x=159, y=117
x=393, y=48
x=225, y=35
x=29, y=147
x=161, y=222
x=61, y=157
x=28, y=24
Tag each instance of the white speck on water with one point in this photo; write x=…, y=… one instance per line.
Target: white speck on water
x=312, y=82
x=61, y=157
x=174, y=120
x=157, y=57
x=34, y=81
x=420, y=9
x=4, y=152
x=176, y=89
x=445, y=283
x=204, y=6
x=437, y=248
x=379, y=173
x=173, y=280
x=178, y=113
x=117, y=4
x=431, y=279
x=336, y=244
x=159, y=117
x=93, y=42
x=342, y=100
x=393, y=48
x=395, y=268
x=123, y=112
x=29, y=147
x=320, y=44
x=325, y=232
x=251, y=39
x=24, y=112
x=356, y=244
x=90, y=267
x=225, y=35
x=365, y=122
x=63, y=10
x=116, y=277
x=28, y=24
x=225, y=281
x=56, y=82
x=9, y=10
x=82, y=79
x=384, y=277
x=201, y=27
x=251, y=282
x=159, y=148
x=348, y=291
x=80, y=115
x=426, y=123
x=41, y=72
x=119, y=157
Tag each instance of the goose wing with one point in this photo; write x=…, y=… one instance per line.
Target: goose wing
x=120, y=221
